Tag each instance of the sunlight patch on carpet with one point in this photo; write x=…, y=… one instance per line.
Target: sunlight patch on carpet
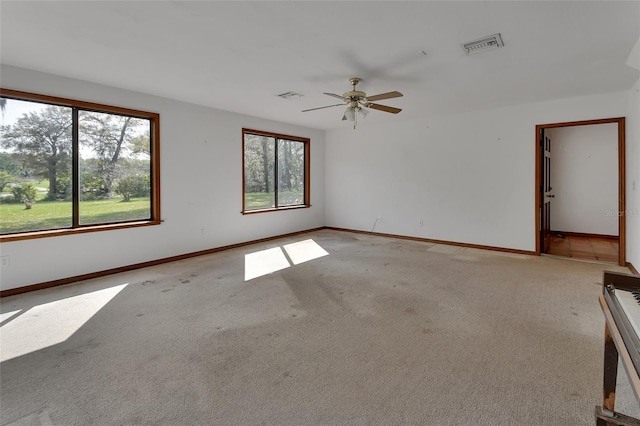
x=6, y=315
x=267, y=261
x=51, y=323
x=264, y=262
x=304, y=251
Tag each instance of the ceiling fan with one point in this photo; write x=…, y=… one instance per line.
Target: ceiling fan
x=357, y=101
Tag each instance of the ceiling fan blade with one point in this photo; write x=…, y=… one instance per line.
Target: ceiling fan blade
x=328, y=106
x=334, y=95
x=384, y=108
x=382, y=96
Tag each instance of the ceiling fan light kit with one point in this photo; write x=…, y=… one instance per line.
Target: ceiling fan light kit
x=358, y=101
x=350, y=114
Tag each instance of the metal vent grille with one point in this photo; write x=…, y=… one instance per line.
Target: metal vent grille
x=289, y=95
x=485, y=43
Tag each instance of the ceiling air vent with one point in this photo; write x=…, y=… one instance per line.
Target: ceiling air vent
x=290, y=95
x=485, y=43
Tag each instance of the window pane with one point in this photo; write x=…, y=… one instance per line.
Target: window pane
x=290, y=173
x=259, y=159
x=114, y=168
x=35, y=167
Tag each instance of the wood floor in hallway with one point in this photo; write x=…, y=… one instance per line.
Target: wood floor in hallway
x=604, y=249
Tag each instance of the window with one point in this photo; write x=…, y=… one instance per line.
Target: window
x=69, y=166
x=275, y=171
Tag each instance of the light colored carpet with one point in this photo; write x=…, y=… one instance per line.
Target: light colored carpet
x=379, y=331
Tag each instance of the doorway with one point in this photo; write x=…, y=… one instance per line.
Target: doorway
x=548, y=239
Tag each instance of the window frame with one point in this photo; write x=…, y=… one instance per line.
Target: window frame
x=307, y=170
x=154, y=142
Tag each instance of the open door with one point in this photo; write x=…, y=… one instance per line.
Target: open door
x=547, y=196
x=543, y=188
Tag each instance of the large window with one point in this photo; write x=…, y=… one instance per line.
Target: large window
x=275, y=171
x=69, y=166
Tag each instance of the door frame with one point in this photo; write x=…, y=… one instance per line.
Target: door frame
x=621, y=180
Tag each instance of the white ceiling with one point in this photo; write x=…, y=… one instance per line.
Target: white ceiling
x=238, y=55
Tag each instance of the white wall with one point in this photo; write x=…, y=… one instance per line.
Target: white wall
x=201, y=188
x=584, y=178
x=470, y=177
x=633, y=175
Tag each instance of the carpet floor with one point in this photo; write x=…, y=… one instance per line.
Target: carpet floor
x=326, y=328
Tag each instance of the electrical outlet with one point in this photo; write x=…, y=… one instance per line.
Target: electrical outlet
x=4, y=261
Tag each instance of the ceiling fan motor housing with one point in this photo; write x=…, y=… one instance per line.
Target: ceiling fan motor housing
x=354, y=95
